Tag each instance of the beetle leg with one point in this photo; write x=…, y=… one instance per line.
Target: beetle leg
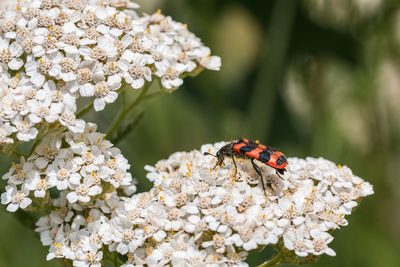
x=220, y=161
x=234, y=163
x=257, y=169
x=280, y=171
x=215, y=166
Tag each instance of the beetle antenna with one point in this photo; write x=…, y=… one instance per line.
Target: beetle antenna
x=206, y=153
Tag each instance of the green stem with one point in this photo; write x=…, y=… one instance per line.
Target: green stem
x=275, y=261
x=153, y=94
x=121, y=134
x=125, y=111
x=13, y=147
x=44, y=131
x=89, y=106
x=286, y=256
x=107, y=256
x=117, y=261
x=18, y=154
x=67, y=263
x=111, y=257
x=84, y=110
x=8, y=149
x=37, y=141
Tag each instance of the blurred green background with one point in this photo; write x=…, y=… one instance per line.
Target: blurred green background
x=311, y=77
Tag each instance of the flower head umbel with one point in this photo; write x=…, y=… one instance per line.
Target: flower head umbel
x=227, y=214
x=54, y=52
x=83, y=165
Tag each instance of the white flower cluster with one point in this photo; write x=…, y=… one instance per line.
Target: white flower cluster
x=129, y=226
x=197, y=216
x=76, y=232
x=54, y=51
x=84, y=166
x=226, y=215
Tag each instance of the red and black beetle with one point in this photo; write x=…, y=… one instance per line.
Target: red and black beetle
x=245, y=148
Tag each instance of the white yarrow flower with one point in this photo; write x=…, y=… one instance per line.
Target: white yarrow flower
x=15, y=199
x=64, y=50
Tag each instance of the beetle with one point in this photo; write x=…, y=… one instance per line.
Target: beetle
x=245, y=148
